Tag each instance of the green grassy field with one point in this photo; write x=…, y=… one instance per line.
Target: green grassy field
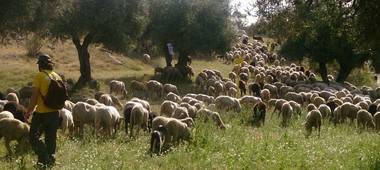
x=238, y=147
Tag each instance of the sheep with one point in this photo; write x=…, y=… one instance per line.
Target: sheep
x=285, y=89
x=332, y=105
x=363, y=105
x=127, y=113
x=278, y=106
x=83, y=113
x=272, y=89
x=318, y=101
x=365, y=119
x=311, y=107
x=286, y=114
x=249, y=101
x=372, y=108
x=324, y=110
x=138, y=88
x=259, y=112
x=376, y=119
x=350, y=111
x=67, y=121
x=205, y=98
x=313, y=119
x=192, y=110
x=244, y=77
x=297, y=109
x=146, y=58
x=92, y=102
x=295, y=97
x=167, y=108
x=13, y=129
x=16, y=109
x=176, y=131
x=232, y=92
x=242, y=87
x=180, y=113
x=108, y=117
x=173, y=97
x=106, y=100
x=170, y=88
x=254, y=89
x=6, y=114
x=155, y=88
x=227, y=103
x=144, y=103
x=157, y=140
x=69, y=105
x=118, y=87
x=219, y=88
x=265, y=95
x=12, y=97
x=139, y=118
x=232, y=76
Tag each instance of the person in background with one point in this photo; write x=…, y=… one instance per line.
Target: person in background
x=169, y=52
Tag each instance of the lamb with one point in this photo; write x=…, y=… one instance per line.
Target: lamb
x=365, y=119
x=286, y=114
x=170, y=88
x=176, y=131
x=242, y=87
x=265, y=95
x=313, y=119
x=376, y=119
x=12, y=97
x=146, y=58
x=167, y=108
x=324, y=110
x=6, y=114
x=139, y=118
x=295, y=97
x=180, y=113
x=83, y=113
x=227, y=103
x=67, y=121
x=155, y=88
x=13, y=129
x=118, y=87
x=173, y=97
x=108, y=117
x=16, y=109
x=259, y=112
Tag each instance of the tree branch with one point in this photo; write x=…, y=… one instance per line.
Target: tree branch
x=76, y=40
x=88, y=39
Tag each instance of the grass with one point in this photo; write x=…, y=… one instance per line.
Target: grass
x=238, y=147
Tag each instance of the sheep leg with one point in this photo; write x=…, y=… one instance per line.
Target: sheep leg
x=7, y=145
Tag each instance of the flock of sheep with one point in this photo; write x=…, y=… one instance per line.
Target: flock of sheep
x=260, y=82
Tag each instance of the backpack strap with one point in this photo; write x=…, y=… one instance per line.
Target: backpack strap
x=42, y=96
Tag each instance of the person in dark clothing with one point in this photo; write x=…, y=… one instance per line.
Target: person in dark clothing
x=169, y=53
x=45, y=120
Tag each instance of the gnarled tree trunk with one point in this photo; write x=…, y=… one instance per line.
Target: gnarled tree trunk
x=323, y=71
x=84, y=59
x=344, y=72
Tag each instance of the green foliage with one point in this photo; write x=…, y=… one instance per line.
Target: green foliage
x=12, y=16
x=191, y=25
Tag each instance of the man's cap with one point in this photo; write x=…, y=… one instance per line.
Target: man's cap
x=44, y=59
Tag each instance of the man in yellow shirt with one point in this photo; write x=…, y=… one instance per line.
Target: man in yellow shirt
x=45, y=120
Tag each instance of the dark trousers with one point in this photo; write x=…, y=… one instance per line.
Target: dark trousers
x=46, y=123
x=169, y=59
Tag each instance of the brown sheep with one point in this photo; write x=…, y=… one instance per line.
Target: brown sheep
x=13, y=129
x=286, y=114
x=242, y=87
x=313, y=119
x=365, y=119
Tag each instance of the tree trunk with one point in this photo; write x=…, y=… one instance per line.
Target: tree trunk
x=343, y=74
x=323, y=71
x=84, y=59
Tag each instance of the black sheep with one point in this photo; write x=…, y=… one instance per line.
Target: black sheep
x=16, y=109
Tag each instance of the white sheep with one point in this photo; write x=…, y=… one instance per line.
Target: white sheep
x=106, y=100
x=295, y=97
x=12, y=97
x=313, y=119
x=173, y=97
x=227, y=103
x=155, y=88
x=13, y=129
x=265, y=95
x=180, y=113
x=249, y=101
x=92, y=102
x=69, y=105
x=67, y=121
x=139, y=118
x=376, y=119
x=144, y=103
x=167, y=108
x=118, y=87
x=176, y=131
x=6, y=114
x=232, y=76
x=108, y=118
x=146, y=58
x=232, y=92
x=83, y=113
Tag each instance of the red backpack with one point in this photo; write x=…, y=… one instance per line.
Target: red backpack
x=57, y=94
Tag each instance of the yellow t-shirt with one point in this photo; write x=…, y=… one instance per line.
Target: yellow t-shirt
x=41, y=81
